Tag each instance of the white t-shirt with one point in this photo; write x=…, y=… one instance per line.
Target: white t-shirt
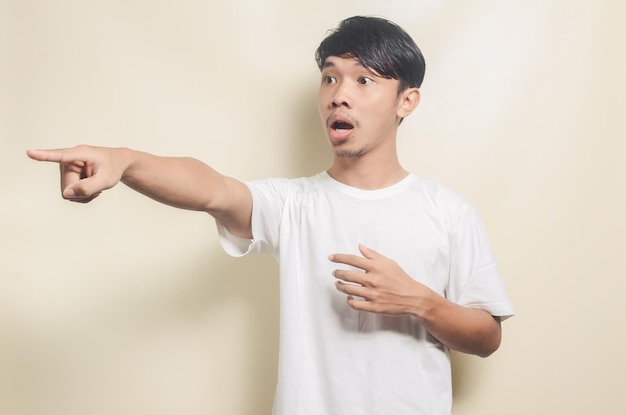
x=336, y=360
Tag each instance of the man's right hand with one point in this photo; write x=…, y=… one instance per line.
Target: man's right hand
x=85, y=171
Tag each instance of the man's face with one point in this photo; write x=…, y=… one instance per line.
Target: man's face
x=359, y=109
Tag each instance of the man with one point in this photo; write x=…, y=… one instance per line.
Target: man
x=381, y=272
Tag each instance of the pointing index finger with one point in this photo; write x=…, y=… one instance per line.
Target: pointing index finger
x=56, y=156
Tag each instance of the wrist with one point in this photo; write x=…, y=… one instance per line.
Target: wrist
x=128, y=161
x=426, y=305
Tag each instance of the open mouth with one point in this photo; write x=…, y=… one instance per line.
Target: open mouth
x=341, y=126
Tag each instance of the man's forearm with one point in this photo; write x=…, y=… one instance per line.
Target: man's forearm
x=468, y=330
x=181, y=182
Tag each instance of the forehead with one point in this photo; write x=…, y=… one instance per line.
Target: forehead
x=349, y=65
x=344, y=63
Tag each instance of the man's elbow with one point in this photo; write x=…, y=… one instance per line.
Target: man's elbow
x=493, y=340
x=488, y=351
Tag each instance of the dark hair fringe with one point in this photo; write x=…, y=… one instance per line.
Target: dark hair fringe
x=380, y=45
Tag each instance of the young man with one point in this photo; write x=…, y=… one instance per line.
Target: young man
x=381, y=272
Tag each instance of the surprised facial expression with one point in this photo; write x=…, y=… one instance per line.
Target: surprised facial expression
x=359, y=109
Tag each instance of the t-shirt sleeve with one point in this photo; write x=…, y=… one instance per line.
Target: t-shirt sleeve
x=267, y=206
x=474, y=277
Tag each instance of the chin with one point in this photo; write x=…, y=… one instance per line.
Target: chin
x=348, y=153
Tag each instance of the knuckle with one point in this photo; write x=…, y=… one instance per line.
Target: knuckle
x=349, y=289
x=373, y=296
x=81, y=147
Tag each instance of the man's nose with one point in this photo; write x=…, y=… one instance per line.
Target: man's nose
x=342, y=96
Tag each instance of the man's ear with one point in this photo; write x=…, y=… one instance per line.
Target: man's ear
x=409, y=99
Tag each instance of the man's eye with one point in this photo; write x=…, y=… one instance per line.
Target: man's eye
x=365, y=80
x=329, y=79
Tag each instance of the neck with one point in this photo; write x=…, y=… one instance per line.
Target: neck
x=370, y=174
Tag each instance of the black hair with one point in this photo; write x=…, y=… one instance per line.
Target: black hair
x=378, y=44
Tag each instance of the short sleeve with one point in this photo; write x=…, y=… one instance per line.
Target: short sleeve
x=233, y=245
x=268, y=199
x=474, y=277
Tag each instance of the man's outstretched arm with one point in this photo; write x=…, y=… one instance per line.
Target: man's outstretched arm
x=181, y=182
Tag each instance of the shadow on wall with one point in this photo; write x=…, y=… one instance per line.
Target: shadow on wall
x=251, y=283
x=155, y=342
x=467, y=371
x=253, y=280
x=311, y=153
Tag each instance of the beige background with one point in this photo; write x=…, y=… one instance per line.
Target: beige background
x=124, y=306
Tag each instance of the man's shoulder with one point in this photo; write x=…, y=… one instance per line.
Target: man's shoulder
x=286, y=188
x=437, y=190
x=287, y=182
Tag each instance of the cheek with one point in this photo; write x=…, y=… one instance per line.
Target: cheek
x=321, y=112
x=322, y=102
x=382, y=111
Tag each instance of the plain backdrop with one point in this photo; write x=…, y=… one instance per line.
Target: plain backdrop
x=125, y=306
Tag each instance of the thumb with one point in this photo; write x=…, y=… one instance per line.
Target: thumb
x=84, y=190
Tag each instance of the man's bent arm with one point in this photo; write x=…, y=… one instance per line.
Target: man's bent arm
x=468, y=330
x=388, y=289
